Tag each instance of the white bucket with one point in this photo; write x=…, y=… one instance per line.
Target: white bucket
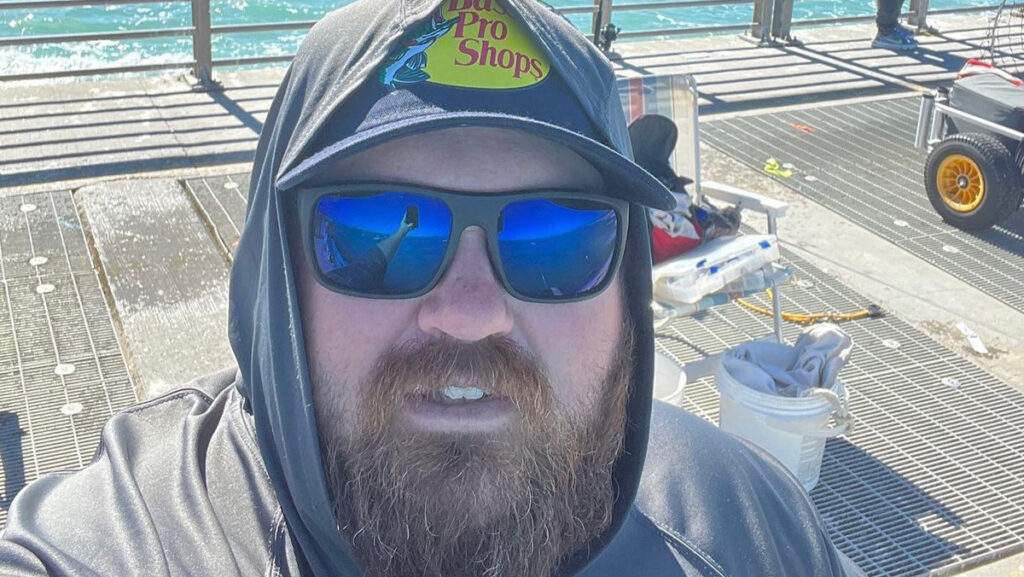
x=792, y=429
x=669, y=379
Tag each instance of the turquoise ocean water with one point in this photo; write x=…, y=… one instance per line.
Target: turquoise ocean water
x=175, y=14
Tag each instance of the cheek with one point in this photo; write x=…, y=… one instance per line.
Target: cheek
x=575, y=343
x=345, y=336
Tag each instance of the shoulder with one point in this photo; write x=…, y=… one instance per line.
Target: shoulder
x=727, y=506
x=166, y=428
x=643, y=548
x=176, y=487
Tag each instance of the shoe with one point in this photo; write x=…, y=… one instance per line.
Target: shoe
x=906, y=33
x=898, y=39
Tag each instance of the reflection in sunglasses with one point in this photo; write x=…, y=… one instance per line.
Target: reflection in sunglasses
x=393, y=243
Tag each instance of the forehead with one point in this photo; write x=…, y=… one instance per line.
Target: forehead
x=470, y=159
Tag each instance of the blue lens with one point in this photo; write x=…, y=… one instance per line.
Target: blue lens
x=557, y=249
x=390, y=243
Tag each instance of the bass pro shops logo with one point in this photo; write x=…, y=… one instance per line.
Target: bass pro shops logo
x=468, y=44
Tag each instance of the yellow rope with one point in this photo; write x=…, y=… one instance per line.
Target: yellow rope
x=809, y=318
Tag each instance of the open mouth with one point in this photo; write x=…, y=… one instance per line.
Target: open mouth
x=459, y=409
x=453, y=395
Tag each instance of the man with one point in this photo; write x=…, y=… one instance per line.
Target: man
x=485, y=409
x=891, y=35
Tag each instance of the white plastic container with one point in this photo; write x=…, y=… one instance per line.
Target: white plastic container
x=669, y=379
x=792, y=429
x=713, y=265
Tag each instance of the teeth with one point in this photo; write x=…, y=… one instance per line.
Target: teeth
x=459, y=393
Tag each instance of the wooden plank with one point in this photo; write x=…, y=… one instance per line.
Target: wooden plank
x=167, y=277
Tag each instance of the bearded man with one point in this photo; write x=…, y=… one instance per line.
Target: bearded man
x=473, y=396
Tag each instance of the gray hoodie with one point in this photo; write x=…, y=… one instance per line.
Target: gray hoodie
x=225, y=477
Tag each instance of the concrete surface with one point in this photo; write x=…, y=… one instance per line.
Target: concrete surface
x=166, y=278
x=70, y=135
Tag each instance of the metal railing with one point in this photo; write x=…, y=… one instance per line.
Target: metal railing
x=770, y=19
x=114, y=35
x=760, y=13
x=916, y=16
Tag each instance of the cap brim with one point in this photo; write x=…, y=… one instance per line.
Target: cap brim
x=624, y=179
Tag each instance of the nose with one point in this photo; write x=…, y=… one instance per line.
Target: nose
x=469, y=304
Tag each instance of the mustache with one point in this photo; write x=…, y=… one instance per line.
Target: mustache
x=497, y=365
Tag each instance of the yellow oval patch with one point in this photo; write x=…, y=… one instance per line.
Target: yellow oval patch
x=485, y=48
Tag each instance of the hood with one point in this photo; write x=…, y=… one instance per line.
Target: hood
x=264, y=319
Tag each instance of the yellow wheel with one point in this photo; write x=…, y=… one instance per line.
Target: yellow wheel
x=961, y=183
x=972, y=180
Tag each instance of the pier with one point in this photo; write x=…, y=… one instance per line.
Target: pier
x=121, y=201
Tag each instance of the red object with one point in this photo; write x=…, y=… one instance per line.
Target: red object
x=636, y=98
x=664, y=246
x=975, y=66
x=801, y=127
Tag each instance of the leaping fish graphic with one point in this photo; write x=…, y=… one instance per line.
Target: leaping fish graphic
x=406, y=64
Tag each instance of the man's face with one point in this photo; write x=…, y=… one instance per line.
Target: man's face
x=467, y=485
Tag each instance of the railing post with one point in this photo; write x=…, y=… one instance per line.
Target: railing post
x=782, y=20
x=761, y=27
x=202, y=51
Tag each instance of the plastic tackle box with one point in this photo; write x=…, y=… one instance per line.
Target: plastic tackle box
x=710, y=267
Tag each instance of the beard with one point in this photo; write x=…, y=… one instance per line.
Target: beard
x=517, y=501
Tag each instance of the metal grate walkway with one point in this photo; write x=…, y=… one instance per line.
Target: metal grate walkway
x=62, y=374
x=859, y=161
x=932, y=479
x=221, y=201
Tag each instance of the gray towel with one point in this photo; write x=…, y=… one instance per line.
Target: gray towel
x=792, y=371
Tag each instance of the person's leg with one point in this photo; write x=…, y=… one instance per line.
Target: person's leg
x=891, y=35
x=888, y=16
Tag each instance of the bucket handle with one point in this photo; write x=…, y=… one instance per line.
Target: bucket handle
x=842, y=419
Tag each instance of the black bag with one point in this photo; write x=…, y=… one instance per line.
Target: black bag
x=990, y=97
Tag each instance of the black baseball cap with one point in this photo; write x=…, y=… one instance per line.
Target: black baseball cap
x=472, y=63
